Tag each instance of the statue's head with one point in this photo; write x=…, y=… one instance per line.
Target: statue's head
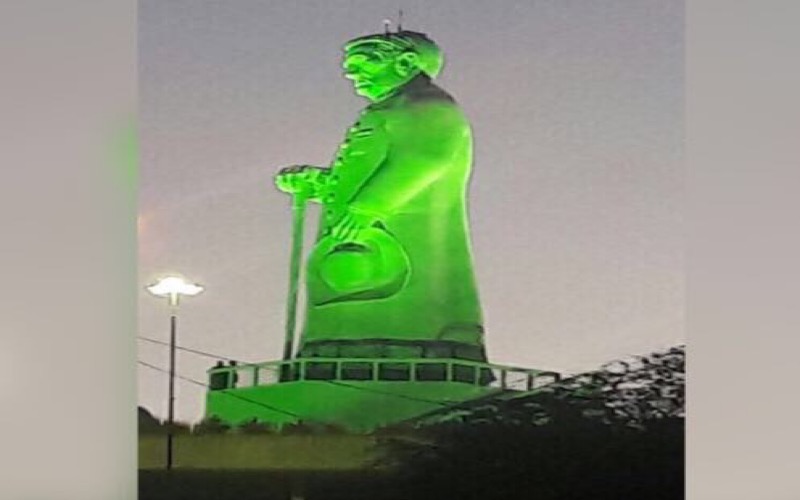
x=378, y=64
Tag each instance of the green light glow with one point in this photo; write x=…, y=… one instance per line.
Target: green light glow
x=392, y=261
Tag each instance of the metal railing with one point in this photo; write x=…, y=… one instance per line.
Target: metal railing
x=382, y=369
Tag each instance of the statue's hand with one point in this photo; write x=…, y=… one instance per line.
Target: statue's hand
x=302, y=180
x=351, y=224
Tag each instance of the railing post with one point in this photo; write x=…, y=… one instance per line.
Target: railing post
x=412, y=375
x=337, y=373
x=529, y=382
x=503, y=379
x=375, y=367
x=255, y=375
x=449, y=368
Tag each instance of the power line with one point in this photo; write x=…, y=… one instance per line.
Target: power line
x=188, y=349
x=187, y=379
x=376, y=391
x=332, y=382
x=386, y=393
x=235, y=396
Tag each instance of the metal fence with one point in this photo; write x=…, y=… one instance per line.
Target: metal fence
x=383, y=370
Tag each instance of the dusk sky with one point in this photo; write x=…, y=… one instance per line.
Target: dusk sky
x=576, y=197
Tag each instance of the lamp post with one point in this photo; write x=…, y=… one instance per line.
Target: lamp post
x=172, y=288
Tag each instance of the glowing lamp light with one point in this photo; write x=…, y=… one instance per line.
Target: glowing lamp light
x=173, y=287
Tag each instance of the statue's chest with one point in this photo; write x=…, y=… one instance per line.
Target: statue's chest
x=362, y=151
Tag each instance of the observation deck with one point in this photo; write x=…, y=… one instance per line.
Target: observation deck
x=358, y=393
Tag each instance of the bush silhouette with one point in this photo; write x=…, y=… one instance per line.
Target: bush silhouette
x=254, y=427
x=610, y=434
x=576, y=459
x=211, y=425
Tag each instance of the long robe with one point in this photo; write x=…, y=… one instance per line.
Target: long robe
x=406, y=287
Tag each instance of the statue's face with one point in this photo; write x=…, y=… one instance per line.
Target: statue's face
x=376, y=72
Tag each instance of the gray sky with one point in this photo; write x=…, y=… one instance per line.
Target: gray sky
x=576, y=198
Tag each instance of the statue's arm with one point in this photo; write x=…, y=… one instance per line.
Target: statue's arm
x=364, y=149
x=423, y=141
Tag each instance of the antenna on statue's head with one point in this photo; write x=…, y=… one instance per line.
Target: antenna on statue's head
x=400, y=20
x=386, y=24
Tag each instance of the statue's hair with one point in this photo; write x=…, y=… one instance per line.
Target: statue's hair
x=430, y=55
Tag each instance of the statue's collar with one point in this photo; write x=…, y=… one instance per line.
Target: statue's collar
x=418, y=82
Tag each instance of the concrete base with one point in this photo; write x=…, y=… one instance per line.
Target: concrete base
x=355, y=405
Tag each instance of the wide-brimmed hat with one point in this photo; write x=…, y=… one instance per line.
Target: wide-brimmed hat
x=373, y=267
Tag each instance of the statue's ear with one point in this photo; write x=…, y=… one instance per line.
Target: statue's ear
x=407, y=63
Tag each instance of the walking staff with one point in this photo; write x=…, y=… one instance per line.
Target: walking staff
x=298, y=223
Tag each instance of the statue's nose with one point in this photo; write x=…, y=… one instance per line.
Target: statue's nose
x=351, y=71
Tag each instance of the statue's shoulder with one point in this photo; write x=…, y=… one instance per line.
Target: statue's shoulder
x=429, y=93
x=426, y=112
x=421, y=108
x=426, y=100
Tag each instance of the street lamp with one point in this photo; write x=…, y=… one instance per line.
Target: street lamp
x=172, y=288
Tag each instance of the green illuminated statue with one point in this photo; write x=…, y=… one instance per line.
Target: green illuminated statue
x=391, y=272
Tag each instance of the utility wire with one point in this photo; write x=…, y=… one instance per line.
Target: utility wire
x=235, y=396
x=376, y=391
x=443, y=404
x=332, y=382
x=386, y=393
x=187, y=349
x=187, y=379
